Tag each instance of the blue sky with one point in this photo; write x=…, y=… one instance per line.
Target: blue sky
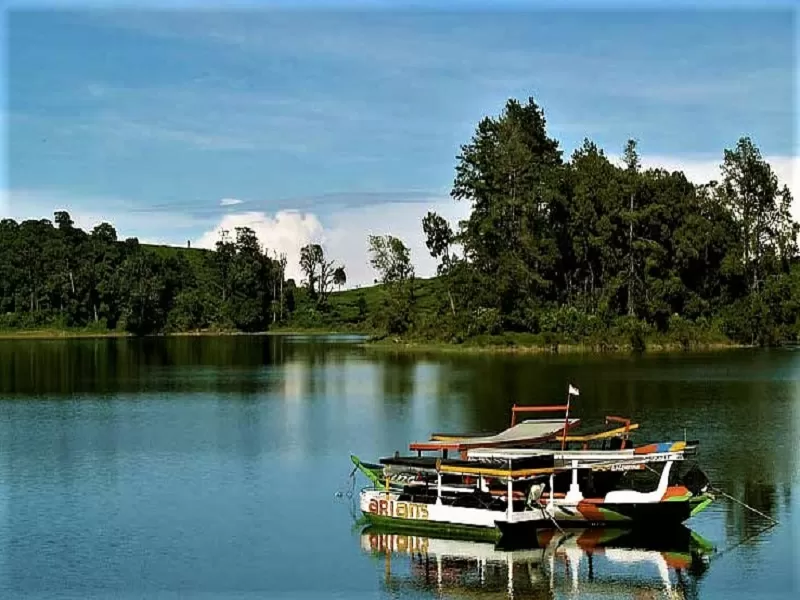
x=331, y=124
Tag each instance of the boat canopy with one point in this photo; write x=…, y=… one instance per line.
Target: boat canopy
x=526, y=432
x=526, y=466
x=656, y=451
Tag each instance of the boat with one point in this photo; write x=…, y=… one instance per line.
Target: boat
x=609, y=442
x=595, y=562
x=528, y=476
x=512, y=497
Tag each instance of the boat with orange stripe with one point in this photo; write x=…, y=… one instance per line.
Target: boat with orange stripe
x=504, y=490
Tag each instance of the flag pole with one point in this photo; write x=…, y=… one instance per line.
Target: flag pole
x=566, y=419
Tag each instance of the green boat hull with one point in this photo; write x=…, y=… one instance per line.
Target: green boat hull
x=436, y=529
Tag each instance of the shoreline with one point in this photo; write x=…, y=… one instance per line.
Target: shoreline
x=56, y=334
x=446, y=348
x=395, y=345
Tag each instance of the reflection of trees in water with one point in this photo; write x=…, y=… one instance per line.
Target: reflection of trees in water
x=175, y=364
x=397, y=378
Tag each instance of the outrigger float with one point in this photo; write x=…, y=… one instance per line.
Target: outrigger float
x=511, y=484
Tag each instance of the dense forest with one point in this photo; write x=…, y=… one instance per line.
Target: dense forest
x=59, y=276
x=555, y=251
x=581, y=247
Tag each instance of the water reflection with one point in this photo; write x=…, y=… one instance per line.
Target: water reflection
x=717, y=398
x=176, y=444
x=603, y=562
x=242, y=364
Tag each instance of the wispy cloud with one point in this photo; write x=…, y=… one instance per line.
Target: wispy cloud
x=167, y=224
x=280, y=108
x=404, y=78
x=230, y=202
x=220, y=117
x=486, y=47
x=197, y=135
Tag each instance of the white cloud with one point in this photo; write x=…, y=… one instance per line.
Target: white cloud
x=230, y=201
x=286, y=232
x=343, y=233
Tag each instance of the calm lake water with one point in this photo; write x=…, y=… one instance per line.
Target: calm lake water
x=209, y=467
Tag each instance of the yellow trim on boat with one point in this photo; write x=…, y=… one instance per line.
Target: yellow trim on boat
x=494, y=472
x=601, y=436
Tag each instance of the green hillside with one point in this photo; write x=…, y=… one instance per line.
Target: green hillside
x=356, y=309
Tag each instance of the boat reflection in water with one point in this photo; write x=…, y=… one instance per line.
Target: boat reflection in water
x=597, y=562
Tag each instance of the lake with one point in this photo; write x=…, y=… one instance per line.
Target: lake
x=218, y=467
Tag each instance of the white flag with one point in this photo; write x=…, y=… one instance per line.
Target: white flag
x=574, y=391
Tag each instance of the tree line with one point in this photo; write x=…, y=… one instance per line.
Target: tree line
x=563, y=249
x=583, y=248
x=55, y=275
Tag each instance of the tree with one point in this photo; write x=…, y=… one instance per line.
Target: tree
x=391, y=258
x=510, y=172
x=223, y=261
x=311, y=257
x=439, y=238
x=277, y=286
x=318, y=272
x=339, y=277
x=61, y=276
x=63, y=220
x=104, y=258
x=143, y=293
x=632, y=163
x=361, y=304
x=761, y=209
x=251, y=299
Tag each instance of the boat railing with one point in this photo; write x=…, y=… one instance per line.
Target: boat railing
x=614, y=419
x=535, y=409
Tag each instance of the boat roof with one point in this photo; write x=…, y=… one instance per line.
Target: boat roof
x=600, y=432
x=660, y=448
x=528, y=431
x=525, y=466
x=518, y=463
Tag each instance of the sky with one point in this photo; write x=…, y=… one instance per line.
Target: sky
x=331, y=121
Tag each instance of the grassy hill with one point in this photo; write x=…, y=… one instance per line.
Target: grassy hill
x=354, y=309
